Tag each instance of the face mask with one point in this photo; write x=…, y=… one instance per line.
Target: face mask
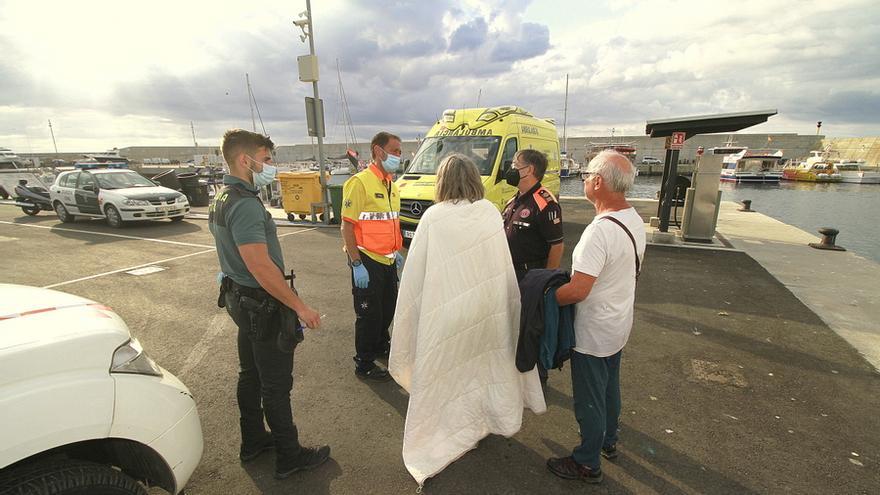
x=512, y=176
x=391, y=163
x=265, y=177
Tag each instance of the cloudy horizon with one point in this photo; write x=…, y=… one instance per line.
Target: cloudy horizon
x=113, y=74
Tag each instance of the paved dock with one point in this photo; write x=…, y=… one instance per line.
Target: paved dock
x=731, y=382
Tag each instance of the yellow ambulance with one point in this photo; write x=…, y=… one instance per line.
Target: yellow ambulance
x=489, y=137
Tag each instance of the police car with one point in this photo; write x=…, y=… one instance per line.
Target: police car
x=119, y=195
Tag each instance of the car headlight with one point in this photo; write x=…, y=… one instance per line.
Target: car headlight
x=181, y=199
x=131, y=358
x=135, y=202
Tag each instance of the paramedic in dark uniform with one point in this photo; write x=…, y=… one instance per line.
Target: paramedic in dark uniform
x=255, y=295
x=533, y=218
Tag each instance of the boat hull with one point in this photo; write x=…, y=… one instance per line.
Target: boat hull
x=751, y=178
x=865, y=178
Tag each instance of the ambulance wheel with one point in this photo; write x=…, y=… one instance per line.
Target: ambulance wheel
x=291, y=217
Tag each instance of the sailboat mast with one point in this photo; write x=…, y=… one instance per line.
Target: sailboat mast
x=565, y=120
x=247, y=78
x=193, y=129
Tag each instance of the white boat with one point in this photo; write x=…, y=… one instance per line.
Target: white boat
x=752, y=166
x=856, y=172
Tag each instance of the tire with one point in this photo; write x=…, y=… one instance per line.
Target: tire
x=62, y=213
x=30, y=210
x=177, y=219
x=68, y=477
x=114, y=219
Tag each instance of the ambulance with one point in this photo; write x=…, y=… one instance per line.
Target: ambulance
x=488, y=136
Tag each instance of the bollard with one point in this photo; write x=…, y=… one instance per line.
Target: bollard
x=747, y=206
x=829, y=236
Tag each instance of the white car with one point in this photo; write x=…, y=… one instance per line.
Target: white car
x=119, y=195
x=82, y=408
x=650, y=160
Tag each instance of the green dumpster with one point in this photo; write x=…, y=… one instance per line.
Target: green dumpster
x=336, y=201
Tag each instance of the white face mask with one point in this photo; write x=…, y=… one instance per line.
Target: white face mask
x=266, y=176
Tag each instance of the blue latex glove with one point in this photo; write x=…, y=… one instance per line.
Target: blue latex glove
x=361, y=276
x=398, y=260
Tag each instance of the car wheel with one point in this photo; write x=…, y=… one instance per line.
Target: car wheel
x=114, y=219
x=69, y=477
x=62, y=213
x=177, y=219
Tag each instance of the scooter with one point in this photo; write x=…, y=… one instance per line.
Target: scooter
x=32, y=199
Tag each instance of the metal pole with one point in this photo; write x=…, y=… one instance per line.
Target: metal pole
x=565, y=120
x=669, y=189
x=323, y=179
x=247, y=78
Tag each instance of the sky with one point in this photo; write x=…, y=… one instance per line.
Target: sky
x=117, y=73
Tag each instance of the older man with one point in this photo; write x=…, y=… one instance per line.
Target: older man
x=605, y=265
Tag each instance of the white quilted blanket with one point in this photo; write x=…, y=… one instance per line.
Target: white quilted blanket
x=454, y=339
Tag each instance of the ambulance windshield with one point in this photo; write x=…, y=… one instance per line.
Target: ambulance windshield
x=482, y=150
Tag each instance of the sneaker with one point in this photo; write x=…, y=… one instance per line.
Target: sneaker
x=247, y=454
x=609, y=452
x=376, y=374
x=307, y=459
x=568, y=468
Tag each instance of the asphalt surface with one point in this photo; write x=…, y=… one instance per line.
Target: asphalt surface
x=730, y=384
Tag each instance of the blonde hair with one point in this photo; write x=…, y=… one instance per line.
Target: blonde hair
x=457, y=179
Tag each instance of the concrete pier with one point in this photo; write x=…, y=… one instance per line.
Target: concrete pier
x=735, y=380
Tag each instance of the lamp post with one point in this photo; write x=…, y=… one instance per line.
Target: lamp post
x=308, y=72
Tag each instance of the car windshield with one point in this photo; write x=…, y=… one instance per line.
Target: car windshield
x=121, y=180
x=481, y=149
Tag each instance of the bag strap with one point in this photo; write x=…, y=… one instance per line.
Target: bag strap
x=632, y=239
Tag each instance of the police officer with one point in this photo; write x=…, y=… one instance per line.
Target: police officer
x=532, y=218
x=262, y=305
x=371, y=231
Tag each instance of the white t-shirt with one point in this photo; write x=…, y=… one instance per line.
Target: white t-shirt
x=604, y=319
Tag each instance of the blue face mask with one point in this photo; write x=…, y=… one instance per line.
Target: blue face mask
x=391, y=163
x=265, y=177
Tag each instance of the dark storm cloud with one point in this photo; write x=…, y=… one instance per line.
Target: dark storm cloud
x=469, y=36
x=533, y=40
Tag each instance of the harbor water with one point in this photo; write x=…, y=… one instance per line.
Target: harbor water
x=850, y=208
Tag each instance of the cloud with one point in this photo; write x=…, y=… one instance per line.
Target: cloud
x=532, y=40
x=403, y=63
x=469, y=36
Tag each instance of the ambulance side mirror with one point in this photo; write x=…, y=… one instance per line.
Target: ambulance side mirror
x=505, y=166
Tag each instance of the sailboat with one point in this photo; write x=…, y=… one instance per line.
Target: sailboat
x=567, y=165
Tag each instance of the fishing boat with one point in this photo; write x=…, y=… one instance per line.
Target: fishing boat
x=856, y=172
x=752, y=166
x=626, y=149
x=817, y=168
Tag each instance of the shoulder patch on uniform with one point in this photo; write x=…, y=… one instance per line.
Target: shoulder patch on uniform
x=348, y=203
x=546, y=194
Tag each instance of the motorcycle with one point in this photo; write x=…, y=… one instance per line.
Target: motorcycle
x=32, y=199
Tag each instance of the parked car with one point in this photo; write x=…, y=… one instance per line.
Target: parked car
x=650, y=160
x=83, y=409
x=118, y=195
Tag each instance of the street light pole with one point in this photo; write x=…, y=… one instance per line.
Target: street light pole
x=324, y=192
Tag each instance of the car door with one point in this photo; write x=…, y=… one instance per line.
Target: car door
x=504, y=190
x=66, y=187
x=86, y=194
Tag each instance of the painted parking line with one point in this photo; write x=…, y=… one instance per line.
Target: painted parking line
x=297, y=232
x=107, y=234
x=126, y=269
x=90, y=277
